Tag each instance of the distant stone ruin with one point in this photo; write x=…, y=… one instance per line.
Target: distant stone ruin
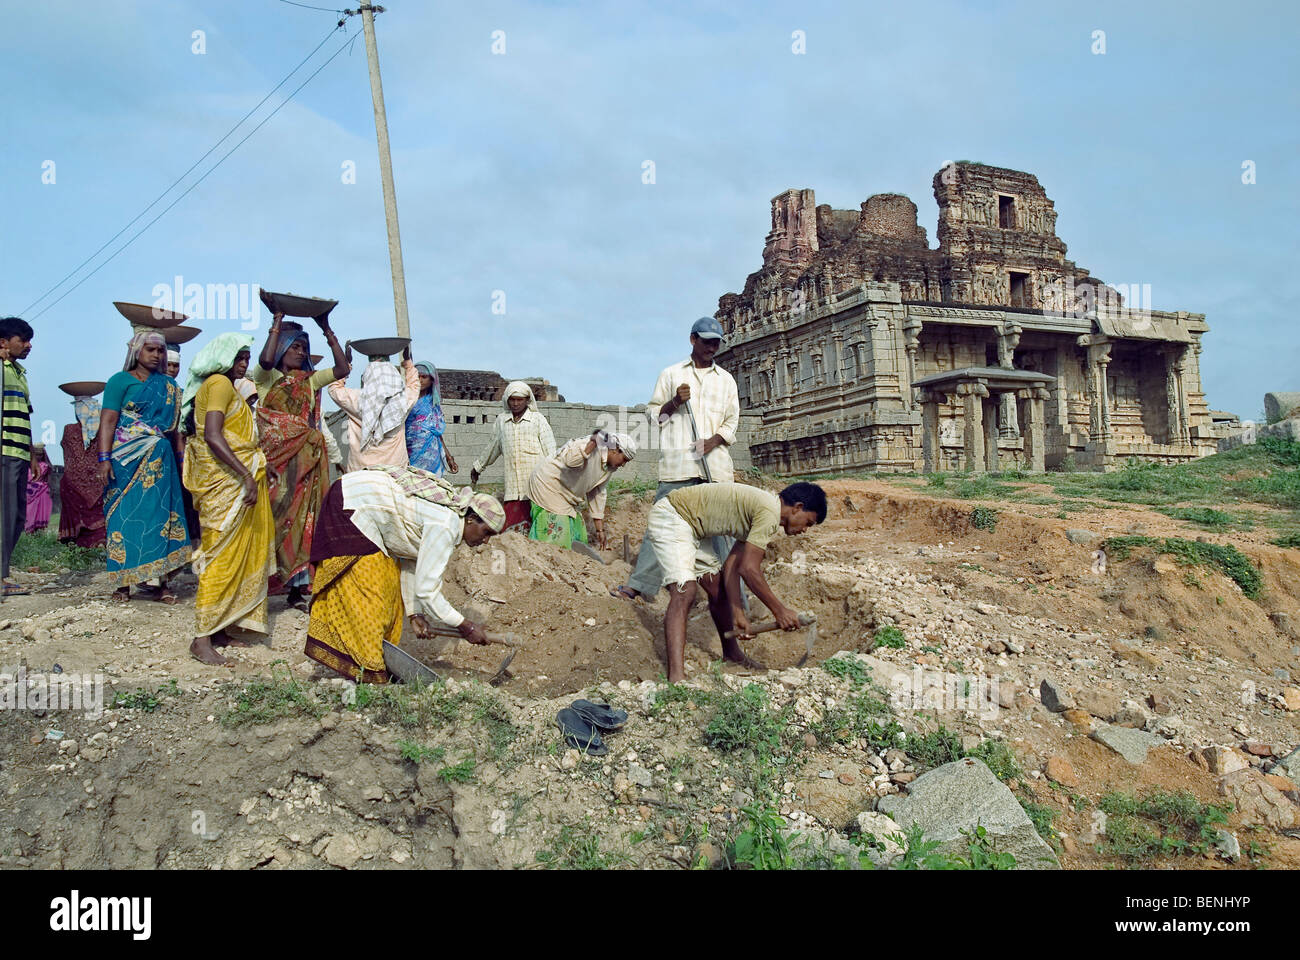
x=489, y=385
x=864, y=348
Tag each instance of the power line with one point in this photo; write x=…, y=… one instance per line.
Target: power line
x=307, y=6
x=175, y=182
x=263, y=123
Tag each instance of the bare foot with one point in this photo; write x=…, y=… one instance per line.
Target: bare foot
x=201, y=650
x=223, y=639
x=732, y=653
x=122, y=594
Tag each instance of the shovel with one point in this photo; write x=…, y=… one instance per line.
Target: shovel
x=587, y=550
x=405, y=667
x=808, y=620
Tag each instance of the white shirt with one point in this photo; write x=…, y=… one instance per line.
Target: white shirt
x=408, y=529
x=716, y=405
x=525, y=443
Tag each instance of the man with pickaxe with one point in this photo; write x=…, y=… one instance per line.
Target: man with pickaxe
x=698, y=410
x=682, y=528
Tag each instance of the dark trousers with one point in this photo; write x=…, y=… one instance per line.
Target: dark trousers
x=13, y=478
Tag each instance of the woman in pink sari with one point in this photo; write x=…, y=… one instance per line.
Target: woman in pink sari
x=39, y=502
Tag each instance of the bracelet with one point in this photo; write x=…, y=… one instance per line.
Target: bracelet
x=105, y=457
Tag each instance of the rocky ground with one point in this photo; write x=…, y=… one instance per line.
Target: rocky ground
x=1078, y=680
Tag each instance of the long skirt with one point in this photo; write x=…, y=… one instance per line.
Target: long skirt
x=517, y=512
x=356, y=606
x=39, y=506
x=233, y=566
x=81, y=492
x=556, y=528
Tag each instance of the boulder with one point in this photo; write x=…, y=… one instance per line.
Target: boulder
x=1103, y=704
x=877, y=825
x=1258, y=801
x=1080, y=536
x=960, y=796
x=1055, y=697
x=1223, y=760
x=1130, y=744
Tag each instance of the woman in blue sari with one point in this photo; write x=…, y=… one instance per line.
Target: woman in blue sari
x=425, y=425
x=139, y=447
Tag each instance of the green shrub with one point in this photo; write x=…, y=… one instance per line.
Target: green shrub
x=983, y=518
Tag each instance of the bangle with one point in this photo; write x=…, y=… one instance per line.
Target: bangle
x=105, y=457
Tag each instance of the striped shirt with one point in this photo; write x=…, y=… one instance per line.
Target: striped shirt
x=407, y=529
x=716, y=406
x=17, y=428
x=523, y=444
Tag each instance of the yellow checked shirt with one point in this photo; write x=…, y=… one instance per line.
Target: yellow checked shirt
x=523, y=444
x=716, y=406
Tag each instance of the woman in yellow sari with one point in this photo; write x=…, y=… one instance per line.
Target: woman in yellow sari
x=225, y=471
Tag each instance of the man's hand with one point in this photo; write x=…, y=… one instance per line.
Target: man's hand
x=740, y=624
x=683, y=394
x=421, y=626
x=601, y=542
x=473, y=476
x=787, y=619
x=472, y=632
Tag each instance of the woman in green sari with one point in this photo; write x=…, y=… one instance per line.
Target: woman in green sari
x=139, y=446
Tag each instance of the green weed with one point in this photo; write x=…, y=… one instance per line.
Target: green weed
x=984, y=518
x=578, y=850
x=267, y=699
x=743, y=720
x=890, y=636
x=142, y=699
x=1160, y=823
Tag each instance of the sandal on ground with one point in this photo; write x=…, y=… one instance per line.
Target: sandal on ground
x=580, y=733
x=15, y=590
x=599, y=715
x=622, y=592
x=160, y=594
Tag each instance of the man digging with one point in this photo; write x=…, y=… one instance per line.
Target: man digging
x=681, y=528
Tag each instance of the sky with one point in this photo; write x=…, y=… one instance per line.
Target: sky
x=521, y=172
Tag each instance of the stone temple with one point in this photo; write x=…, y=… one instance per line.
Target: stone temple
x=863, y=347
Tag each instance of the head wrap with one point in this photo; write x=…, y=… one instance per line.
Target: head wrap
x=382, y=402
x=217, y=357
x=517, y=388
x=425, y=367
x=428, y=486
x=246, y=388
x=623, y=441
x=87, y=411
x=173, y=356
x=137, y=344
x=625, y=444
x=287, y=339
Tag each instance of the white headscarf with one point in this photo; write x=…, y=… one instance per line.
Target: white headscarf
x=382, y=402
x=517, y=388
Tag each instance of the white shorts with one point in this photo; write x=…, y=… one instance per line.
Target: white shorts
x=682, y=557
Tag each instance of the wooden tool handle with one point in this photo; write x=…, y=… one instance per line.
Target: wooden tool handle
x=805, y=620
x=491, y=638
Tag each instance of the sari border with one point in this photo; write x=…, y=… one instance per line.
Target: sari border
x=320, y=651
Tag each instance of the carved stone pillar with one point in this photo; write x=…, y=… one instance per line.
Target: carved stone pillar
x=991, y=430
x=911, y=343
x=1035, y=432
x=1008, y=340
x=1174, y=412
x=1184, y=414
x=930, y=452
x=973, y=395
x=1098, y=390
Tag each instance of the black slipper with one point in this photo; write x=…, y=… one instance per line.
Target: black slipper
x=580, y=733
x=600, y=715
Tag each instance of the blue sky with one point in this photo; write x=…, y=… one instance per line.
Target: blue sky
x=522, y=172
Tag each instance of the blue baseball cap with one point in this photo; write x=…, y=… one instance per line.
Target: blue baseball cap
x=708, y=328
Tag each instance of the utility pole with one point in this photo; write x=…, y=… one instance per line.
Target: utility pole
x=386, y=171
